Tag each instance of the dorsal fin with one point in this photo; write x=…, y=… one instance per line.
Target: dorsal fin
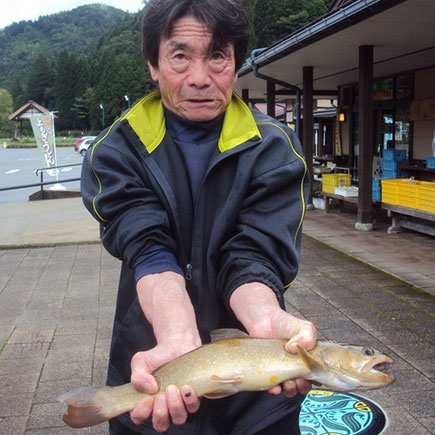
x=220, y=334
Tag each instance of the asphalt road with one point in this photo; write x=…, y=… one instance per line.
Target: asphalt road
x=18, y=167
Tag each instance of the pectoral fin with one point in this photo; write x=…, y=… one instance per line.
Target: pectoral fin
x=313, y=365
x=228, y=387
x=233, y=381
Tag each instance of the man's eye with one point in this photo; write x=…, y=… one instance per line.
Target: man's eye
x=179, y=56
x=217, y=56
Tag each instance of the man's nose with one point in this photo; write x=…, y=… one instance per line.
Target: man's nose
x=199, y=74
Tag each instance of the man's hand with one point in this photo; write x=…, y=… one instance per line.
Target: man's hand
x=172, y=405
x=167, y=306
x=255, y=305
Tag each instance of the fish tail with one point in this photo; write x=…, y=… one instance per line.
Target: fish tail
x=85, y=408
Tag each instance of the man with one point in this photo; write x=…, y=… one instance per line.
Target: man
x=203, y=202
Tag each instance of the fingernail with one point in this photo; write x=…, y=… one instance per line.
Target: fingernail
x=172, y=390
x=151, y=387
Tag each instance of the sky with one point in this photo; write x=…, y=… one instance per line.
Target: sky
x=17, y=10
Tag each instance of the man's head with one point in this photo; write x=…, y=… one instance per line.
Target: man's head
x=194, y=49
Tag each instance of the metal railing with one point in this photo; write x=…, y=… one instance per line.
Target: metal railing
x=42, y=183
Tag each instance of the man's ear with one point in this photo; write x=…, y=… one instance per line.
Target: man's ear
x=154, y=71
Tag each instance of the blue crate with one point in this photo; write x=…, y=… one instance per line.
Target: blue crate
x=398, y=155
x=390, y=173
x=389, y=165
x=430, y=162
x=376, y=189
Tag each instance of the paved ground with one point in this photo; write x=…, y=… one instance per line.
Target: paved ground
x=58, y=289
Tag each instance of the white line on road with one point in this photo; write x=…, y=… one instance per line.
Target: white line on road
x=12, y=171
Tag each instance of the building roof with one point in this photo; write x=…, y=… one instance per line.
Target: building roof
x=402, y=33
x=27, y=111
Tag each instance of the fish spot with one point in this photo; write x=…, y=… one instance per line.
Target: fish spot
x=232, y=342
x=273, y=379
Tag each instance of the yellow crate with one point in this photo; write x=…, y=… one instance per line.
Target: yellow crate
x=390, y=191
x=409, y=193
x=427, y=196
x=331, y=181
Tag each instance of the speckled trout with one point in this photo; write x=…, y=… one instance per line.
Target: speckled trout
x=231, y=365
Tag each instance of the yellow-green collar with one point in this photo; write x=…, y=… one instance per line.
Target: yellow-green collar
x=146, y=118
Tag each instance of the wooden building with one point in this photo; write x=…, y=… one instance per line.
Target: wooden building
x=377, y=58
x=24, y=113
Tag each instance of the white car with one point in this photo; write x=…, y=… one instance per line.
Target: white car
x=85, y=144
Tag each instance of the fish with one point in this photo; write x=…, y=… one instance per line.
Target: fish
x=234, y=364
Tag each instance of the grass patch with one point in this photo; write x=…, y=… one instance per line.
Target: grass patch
x=5, y=342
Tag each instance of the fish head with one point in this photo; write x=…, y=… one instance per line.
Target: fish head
x=352, y=368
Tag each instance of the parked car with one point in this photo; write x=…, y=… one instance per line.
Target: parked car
x=80, y=140
x=85, y=144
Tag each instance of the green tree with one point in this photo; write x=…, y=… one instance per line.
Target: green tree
x=82, y=109
x=6, y=105
x=40, y=84
x=275, y=19
x=18, y=94
x=64, y=91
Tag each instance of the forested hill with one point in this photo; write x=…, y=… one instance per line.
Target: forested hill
x=87, y=65
x=73, y=31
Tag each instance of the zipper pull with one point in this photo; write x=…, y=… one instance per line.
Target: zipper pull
x=188, y=272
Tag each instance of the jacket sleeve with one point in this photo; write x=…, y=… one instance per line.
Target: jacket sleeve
x=117, y=193
x=266, y=244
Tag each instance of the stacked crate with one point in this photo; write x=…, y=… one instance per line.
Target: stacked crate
x=390, y=191
x=376, y=189
x=390, y=163
x=331, y=181
x=427, y=196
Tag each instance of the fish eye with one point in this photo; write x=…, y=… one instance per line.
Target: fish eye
x=368, y=351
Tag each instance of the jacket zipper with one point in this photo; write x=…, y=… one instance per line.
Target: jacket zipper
x=188, y=275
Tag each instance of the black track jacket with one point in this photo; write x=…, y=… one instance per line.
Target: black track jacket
x=246, y=227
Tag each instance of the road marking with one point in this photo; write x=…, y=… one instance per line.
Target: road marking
x=12, y=171
x=66, y=169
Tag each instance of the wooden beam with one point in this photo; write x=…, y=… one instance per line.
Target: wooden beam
x=308, y=121
x=365, y=158
x=271, y=99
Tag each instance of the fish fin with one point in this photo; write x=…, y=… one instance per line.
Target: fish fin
x=234, y=381
x=313, y=365
x=84, y=408
x=220, y=334
x=219, y=394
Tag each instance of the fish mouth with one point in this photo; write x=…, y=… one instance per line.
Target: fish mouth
x=380, y=366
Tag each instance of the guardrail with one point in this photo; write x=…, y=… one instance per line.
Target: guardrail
x=42, y=183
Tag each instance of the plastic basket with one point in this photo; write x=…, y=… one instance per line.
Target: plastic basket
x=376, y=189
x=398, y=155
x=427, y=196
x=390, y=165
x=409, y=193
x=331, y=181
x=390, y=191
x=392, y=173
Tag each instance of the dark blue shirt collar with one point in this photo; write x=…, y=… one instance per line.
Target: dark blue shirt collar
x=184, y=130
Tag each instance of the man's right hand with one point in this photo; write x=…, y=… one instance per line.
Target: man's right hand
x=172, y=405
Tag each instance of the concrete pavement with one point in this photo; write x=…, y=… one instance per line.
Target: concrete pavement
x=58, y=290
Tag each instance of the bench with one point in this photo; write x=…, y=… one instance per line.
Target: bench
x=342, y=199
x=410, y=218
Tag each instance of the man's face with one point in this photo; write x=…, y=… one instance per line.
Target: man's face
x=195, y=82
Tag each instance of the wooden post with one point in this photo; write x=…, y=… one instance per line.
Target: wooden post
x=308, y=123
x=365, y=158
x=271, y=99
x=245, y=95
